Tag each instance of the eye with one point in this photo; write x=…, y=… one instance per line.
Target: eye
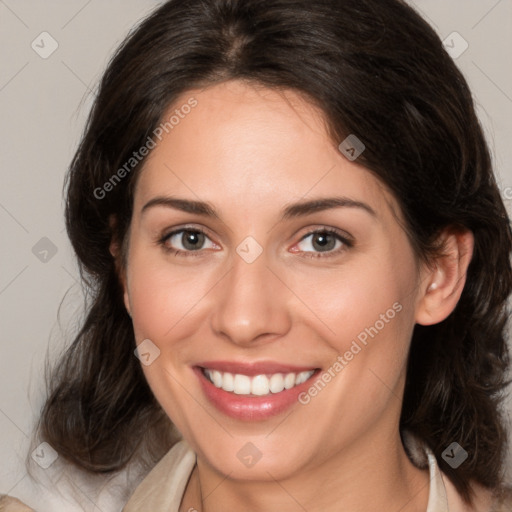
x=326, y=240
x=185, y=240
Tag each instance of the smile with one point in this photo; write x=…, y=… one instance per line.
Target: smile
x=253, y=391
x=258, y=385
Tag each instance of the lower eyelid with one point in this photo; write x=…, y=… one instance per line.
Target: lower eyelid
x=326, y=254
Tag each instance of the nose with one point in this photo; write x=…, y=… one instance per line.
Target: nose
x=251, y=304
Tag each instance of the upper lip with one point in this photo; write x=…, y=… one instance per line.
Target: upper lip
x=254, y=368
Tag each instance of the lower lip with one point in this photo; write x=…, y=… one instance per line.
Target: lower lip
x=251, y=408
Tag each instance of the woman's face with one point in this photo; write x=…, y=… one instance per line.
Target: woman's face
x=254, y=298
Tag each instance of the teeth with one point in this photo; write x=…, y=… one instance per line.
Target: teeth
x=226, y=382
x=242, y=385
x=217, y=378
x=276, y=383
x=289, y=381
x=259, y=385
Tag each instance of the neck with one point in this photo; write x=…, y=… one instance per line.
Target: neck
x=373, y=473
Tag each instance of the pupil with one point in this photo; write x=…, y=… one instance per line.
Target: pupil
x=323, y=241
x=192, y=240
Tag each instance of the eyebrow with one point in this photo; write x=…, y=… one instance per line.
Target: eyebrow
x=299, y=209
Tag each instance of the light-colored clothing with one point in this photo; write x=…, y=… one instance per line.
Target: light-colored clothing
x=163, y=488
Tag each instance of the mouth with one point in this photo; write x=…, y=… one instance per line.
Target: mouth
x=255, y=391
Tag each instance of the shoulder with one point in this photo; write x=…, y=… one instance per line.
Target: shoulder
x=9, y=504
x=165, y=484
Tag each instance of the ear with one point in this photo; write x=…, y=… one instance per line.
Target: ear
x=443, y=281
x=115, y=251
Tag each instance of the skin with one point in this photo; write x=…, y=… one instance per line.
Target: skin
x=251, y=151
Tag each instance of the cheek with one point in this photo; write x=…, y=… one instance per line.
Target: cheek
x=361, y=300
x=369, y=315
x=161, y=294
x=368, y=311
x=163, y=299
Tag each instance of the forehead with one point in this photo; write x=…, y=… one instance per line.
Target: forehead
x=250, y=146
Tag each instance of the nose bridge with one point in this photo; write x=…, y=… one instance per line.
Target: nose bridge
x=250, y=301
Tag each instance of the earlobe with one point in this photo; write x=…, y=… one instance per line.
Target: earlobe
x=126, y=299
x=121, y=273
x=115, y=251
x=444, y=281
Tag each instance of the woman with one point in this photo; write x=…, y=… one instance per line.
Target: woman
x=286, y=210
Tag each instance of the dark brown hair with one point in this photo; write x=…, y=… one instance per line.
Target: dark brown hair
x=377, y=70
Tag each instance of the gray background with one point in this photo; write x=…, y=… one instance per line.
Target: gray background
x=44, y=102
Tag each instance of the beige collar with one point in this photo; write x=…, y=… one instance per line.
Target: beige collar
x=437, y=498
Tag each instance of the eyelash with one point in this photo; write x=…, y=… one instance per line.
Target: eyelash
x=347, y=243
